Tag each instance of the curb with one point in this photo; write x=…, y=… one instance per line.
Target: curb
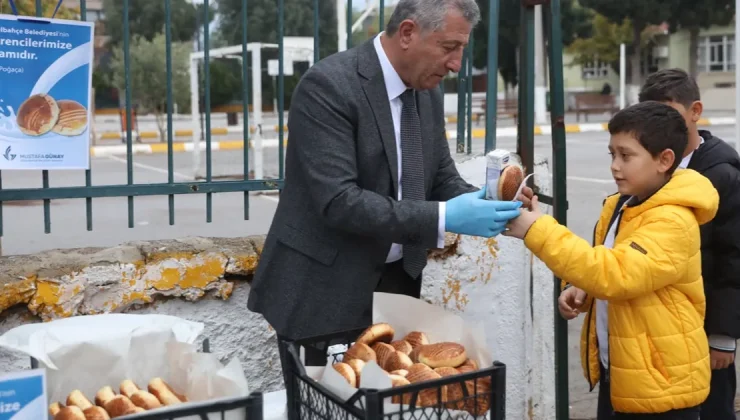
x=149, y=149
x=477, y=133
x=222, y=131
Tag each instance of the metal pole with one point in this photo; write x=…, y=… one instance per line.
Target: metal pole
x=623, y=75
x=525, y=143
x=257, y=109
x=560, y=203
x=470, y=96
x=492, y=75
x=341, y=25
x=540, y=87
x=461, y=96
x=194, y=114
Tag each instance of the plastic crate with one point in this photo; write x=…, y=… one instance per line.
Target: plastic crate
x=308, y=399
x=251, y=405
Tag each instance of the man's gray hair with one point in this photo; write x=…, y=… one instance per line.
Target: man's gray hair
x=430, y=14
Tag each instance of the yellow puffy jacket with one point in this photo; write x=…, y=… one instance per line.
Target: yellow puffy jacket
x=658, y=350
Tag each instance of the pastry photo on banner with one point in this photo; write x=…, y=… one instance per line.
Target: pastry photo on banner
x=45, y=85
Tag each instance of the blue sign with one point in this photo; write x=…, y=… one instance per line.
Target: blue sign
x=45, y=89
x=23, y=395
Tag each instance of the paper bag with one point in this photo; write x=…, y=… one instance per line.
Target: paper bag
x=90, y=352
x=406, y=314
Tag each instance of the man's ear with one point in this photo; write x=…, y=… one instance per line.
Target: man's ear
x=406, y=32
x=697, y=108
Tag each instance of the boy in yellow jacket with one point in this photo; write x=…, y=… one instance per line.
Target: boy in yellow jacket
x=644, y=334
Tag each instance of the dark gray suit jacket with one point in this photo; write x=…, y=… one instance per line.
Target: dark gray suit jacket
x=338, y=215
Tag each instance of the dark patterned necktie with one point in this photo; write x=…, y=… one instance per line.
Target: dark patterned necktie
x=412, y=175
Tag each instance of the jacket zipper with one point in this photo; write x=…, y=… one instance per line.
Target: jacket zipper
x=588, y=325
x=591, y=310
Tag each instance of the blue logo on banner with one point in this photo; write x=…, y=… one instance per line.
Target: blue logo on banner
x=23, y=396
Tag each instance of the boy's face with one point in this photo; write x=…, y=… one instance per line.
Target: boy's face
x=635, y=171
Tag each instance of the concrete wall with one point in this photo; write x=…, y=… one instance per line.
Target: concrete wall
x=207, y=279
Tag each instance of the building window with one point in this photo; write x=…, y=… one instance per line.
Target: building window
x=595, y=70
x=716, y=53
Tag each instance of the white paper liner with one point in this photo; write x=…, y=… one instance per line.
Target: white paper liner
x=521, y=187
x=94, y=351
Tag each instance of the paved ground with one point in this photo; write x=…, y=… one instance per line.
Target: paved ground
x=589, y=182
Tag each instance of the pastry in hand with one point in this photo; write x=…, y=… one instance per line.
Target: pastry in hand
x=509, y=182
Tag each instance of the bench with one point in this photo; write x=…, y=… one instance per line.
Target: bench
x=506, y=107
x=594, y=103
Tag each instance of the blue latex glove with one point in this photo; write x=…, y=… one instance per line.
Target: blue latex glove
x=471, y=214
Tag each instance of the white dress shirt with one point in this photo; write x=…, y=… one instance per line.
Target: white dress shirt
x=395, y=87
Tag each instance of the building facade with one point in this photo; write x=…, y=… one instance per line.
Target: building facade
x=715, y=65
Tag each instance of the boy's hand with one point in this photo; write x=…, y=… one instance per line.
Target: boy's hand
x=519, y=226
x=721, y=359
x=569, y=301
x=526, y=197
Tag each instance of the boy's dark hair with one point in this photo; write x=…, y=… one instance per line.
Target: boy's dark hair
x=656, y=127
x=670, y=85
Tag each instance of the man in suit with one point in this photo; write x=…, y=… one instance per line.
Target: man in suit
x=370, y=184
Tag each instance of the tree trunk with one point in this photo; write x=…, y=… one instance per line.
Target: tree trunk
x=694, y=51
x=635, y=63
x=159, y=117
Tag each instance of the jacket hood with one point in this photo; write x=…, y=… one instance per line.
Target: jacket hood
x=713, y=152
x=686, y=188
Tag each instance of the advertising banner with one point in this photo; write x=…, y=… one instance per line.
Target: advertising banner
x=23, y=395
x=45, y=85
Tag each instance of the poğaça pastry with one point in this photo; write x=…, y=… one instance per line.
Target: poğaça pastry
x=509, y=182
x=37, y=115
x=413, y=359
x=109, y=405
x=72, y=118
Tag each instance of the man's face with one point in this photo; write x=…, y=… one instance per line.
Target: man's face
x=431, y=55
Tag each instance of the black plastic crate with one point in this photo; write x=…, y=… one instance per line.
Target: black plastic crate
x=251, y=404
x=307, y=399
